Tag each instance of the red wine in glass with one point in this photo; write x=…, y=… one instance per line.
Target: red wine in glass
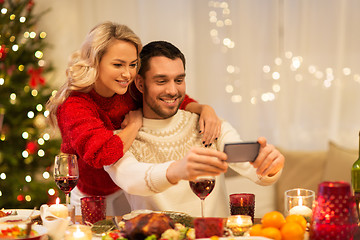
x=66, y=184
x=202, y=187
x=66, y=173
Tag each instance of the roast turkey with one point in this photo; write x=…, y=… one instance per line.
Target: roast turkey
x=144, y=225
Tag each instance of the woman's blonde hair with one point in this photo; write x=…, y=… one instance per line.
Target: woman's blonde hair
x=82, y=70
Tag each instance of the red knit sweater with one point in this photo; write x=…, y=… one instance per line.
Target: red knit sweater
x=87, y=122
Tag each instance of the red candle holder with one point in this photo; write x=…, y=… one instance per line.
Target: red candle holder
x=242, y=204
x=334, y=213
x=93, y=209
x=208, y=227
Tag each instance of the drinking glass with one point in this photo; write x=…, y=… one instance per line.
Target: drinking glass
x=202, y=187
x=66, y=173
x=334, y=212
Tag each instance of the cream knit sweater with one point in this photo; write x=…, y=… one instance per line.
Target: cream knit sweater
x=141, y=173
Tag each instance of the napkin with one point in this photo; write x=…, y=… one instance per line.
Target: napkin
x=56, y=226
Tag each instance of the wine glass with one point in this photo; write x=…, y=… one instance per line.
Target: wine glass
x=202, y=187
x=66, y=173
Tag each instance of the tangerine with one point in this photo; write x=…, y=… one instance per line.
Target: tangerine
x=297, y=219
x=255, y=230
x=271, y=232
x=273, y=219
x=292, y=231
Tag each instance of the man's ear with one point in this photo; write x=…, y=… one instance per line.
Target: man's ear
x=139, y=82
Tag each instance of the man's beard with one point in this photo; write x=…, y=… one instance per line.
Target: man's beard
x=161, y=111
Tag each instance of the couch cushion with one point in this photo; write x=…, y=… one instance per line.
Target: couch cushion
x=303, y=169
x=339, y=163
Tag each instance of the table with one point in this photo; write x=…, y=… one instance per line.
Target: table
x=256, y=221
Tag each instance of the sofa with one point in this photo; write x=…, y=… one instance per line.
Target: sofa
x=303, y=169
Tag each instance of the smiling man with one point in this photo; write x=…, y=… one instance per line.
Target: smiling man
x=168, y=151
x=166, y=89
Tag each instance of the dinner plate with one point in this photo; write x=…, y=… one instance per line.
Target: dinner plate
x=18, y=215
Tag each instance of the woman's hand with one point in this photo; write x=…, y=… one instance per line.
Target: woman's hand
x=130, y=127
x=210, y=125
x=134, y=117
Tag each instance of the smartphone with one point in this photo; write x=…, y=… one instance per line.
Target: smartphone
x=242, y=151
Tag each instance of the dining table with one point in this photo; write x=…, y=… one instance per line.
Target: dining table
x=257, y=220
x=78, y=220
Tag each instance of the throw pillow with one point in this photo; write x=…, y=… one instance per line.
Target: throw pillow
x=339, y=161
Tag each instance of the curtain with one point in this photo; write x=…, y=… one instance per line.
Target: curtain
x=288, y=70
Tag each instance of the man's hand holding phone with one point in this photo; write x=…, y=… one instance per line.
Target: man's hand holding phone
x=264, y=157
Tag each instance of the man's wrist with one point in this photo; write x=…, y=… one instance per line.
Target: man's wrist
x=171, y=177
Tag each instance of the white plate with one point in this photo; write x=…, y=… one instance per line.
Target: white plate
x=21, y=214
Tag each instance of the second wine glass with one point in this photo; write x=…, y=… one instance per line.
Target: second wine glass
x=66, y=173
x=202, y=187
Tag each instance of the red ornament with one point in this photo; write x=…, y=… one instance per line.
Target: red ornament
x=2, y=1
x=32, y=147
x=35, y=77
x=20, y=198
x=3, y=52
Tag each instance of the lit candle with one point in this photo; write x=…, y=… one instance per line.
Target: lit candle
x=59, y=210
x=301, y=209
x=239, y=224
x=78, y=232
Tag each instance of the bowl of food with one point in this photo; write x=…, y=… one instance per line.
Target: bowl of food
x=18, y=231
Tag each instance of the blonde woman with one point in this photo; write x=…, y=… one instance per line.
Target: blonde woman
x=96, y=100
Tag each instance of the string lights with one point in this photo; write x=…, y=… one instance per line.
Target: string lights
x=285, y=65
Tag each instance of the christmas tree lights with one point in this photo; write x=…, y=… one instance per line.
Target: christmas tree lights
x=27, y=147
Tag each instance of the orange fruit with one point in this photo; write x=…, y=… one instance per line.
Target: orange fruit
x=255, y=230
x=273, y=219
x=292, y=231
x=271, y=232
x=297, y=219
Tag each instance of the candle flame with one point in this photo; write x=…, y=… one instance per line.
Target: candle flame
x=300, y=201
x=78, y=233
x=239, y=220
x=57, y=200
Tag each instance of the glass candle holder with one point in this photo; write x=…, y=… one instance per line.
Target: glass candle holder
x=334, y=212
x=78, y=232
x=299, y=201
x=239, y=224
x=93, y=209
x=209, y=226
x=242, y=204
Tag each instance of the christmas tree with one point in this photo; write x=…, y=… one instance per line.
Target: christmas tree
x=27, y=147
